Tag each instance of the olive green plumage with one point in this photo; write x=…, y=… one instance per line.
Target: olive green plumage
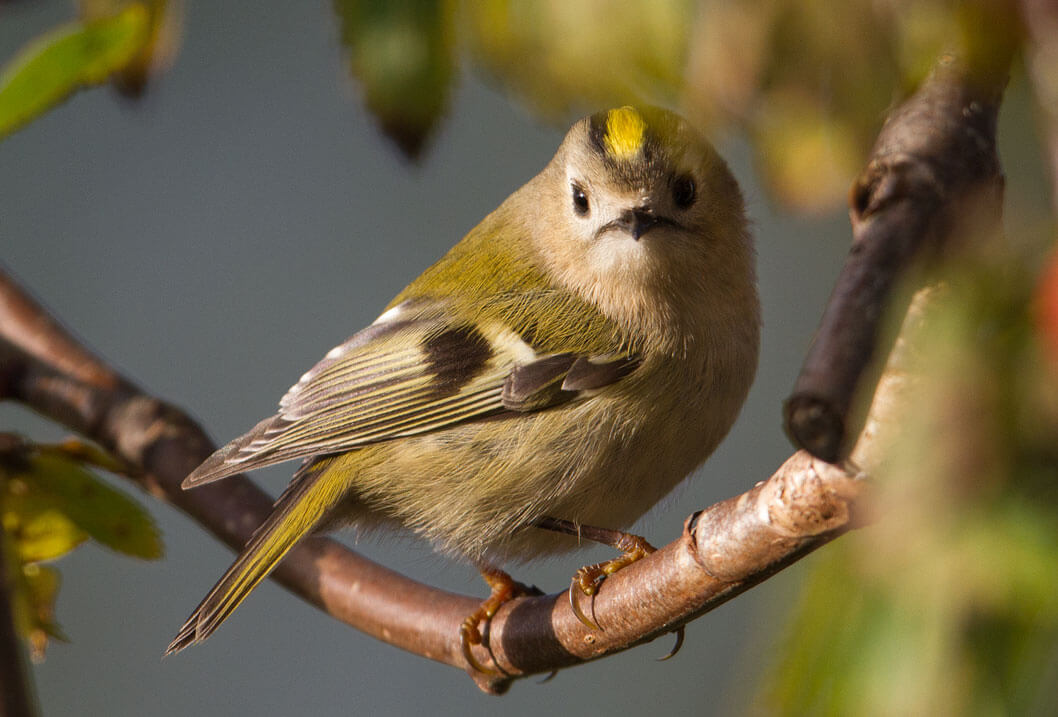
x=576, y=355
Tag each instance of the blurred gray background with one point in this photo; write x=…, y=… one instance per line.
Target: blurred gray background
x=217, y=238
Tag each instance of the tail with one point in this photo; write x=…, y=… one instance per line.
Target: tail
x=308, y=498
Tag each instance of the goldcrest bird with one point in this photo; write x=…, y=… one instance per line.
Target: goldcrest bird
x=565, y=365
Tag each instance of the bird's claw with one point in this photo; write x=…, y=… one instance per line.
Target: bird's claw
x=550, y=676
x=504, y=589
x=679, y=632
x=588, y=579
x=576, y=588
x=469, y=635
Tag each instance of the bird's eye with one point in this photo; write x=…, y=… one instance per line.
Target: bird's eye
x=684, y=191
x=580, y=201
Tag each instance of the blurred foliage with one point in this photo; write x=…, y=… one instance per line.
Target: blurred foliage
x=563, y=57
x=57, y=64
x=808, y=81
x=158, y=49
x=948, y=606
x=403, y=54
x=49, y=504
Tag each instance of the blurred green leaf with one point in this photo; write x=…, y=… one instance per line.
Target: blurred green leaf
x=57, y=64
x=402, y=53
x=809, y=81
x=106, y=514
x=38, y=529
x=49, y=504
x=37, y=588
x=566, y=57
x=165, y=20
x=947, y=605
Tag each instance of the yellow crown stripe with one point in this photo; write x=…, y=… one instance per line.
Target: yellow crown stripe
x=624, y=132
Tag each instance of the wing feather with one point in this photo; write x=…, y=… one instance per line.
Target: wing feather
x=404, y=379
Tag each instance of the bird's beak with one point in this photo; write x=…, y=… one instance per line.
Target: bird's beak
x=638, y=222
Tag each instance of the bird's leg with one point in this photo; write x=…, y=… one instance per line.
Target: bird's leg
x=587, y=580
x=504, y=588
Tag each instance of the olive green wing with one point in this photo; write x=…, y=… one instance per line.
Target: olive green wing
x=408, y=377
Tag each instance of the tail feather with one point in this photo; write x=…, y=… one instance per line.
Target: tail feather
x=312, y=493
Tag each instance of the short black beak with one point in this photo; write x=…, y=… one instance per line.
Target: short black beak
x=638, y=222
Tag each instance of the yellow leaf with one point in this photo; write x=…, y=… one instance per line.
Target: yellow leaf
x=51, y=503
x=37, y=529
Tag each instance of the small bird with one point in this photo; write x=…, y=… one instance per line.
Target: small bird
x=555, y=374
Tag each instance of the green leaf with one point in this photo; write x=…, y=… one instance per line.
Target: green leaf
x=49, y=504
x=37, y=528
x=59, y=499
x=105, y=513
x=403, y=55
x=37, y=588
x=80, y=54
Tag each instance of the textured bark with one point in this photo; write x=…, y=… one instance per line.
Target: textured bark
x=933, y=175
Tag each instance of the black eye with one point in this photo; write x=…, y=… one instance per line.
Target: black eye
x=580, y=201
x=683, y=191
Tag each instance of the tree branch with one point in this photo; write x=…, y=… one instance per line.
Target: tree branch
x=722, y=552
x=934, y=174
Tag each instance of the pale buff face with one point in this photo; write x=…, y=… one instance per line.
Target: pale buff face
x=643, y=224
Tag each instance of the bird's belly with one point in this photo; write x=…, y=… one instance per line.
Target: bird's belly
x=475, y=490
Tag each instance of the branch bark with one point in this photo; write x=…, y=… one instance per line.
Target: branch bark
x=934, y=174
x=723, y=551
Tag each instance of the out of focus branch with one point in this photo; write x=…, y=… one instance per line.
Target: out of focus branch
x=723, y=550
x=15, y=699
x=1040, y=18
x=934, y=174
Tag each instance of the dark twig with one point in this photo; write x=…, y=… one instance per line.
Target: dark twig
x=933, y=174
x=15, y=699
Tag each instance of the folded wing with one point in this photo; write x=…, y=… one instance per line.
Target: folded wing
x=404, y=378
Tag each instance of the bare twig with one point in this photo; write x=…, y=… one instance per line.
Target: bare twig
x=723, y=551
x=15, y=699
x=933, y=172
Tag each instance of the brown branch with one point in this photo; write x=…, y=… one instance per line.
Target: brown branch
x=15, y=692
x=934, y=173
x=722, y=552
